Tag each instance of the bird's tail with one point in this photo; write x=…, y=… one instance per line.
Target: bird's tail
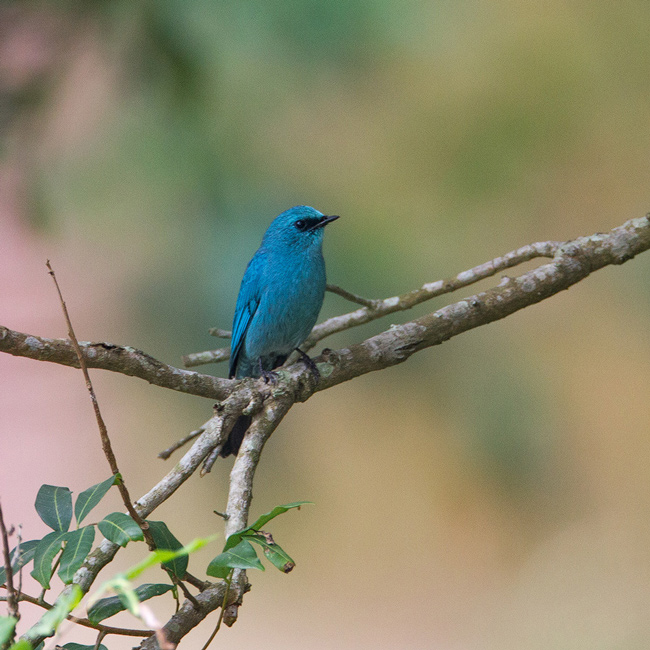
x=236, y=436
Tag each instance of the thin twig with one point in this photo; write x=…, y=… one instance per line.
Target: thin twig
x=41, y=598
x=100, y=638
x=186, y=592
x=108, y=629
x=221, y=611
x=352, y=297
x=18, y=545
x=201, y=585
x=103, y=431
x=209, y=356
x=180, y=443
x=219, y=333
x=210, y=460
x=12, y=598
x=223, y=515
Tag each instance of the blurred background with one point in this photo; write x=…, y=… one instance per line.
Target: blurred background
x=491, y=493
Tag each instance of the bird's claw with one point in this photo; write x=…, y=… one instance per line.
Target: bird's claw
x=270, y=377
x=310, y=363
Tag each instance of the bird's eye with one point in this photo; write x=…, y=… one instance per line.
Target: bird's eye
x=301, y=224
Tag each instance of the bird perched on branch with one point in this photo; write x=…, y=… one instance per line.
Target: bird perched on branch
x=279, y=300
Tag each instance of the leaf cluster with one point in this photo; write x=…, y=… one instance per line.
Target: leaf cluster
x=239, y=553
x=67, y=550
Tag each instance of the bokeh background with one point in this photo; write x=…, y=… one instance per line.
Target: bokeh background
x=491, y=493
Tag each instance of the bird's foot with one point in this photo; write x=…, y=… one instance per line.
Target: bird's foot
x=310, y=363
x=270, y=377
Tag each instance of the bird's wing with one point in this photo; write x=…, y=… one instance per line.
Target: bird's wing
x=243, y=318
x=247, y=304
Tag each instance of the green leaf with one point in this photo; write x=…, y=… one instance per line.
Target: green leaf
x=155, y=557
x=165, y=541
x=106, y=607
x=217, y=568
x=54, y=506
x=7, y=627
x=64, y=604
x=273, y=552
x=77, y=546
x=21, y=644
x=89, y=498
x=44, y=555
x=78, y=646
x=278, y=510
x=120, y=529
x=235, y=538
x=26, y=554
x=242, y=556
x=159, y=557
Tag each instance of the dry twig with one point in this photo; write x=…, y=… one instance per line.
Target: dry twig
x=12, y=598
x=103, y=431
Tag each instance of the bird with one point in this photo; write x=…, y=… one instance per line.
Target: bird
x=279, y=300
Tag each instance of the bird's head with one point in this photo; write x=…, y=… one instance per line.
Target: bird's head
x=298, y=228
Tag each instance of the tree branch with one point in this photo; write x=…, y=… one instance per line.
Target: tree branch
x=116, y=358
x=571, y=262
x=429, y=290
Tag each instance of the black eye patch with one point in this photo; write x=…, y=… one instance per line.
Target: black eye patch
x=304, y=225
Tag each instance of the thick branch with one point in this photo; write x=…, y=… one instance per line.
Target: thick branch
x=117, y=358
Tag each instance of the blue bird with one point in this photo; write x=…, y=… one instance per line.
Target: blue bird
x=279, y=300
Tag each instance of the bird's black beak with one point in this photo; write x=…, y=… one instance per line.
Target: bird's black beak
x=324, y=221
